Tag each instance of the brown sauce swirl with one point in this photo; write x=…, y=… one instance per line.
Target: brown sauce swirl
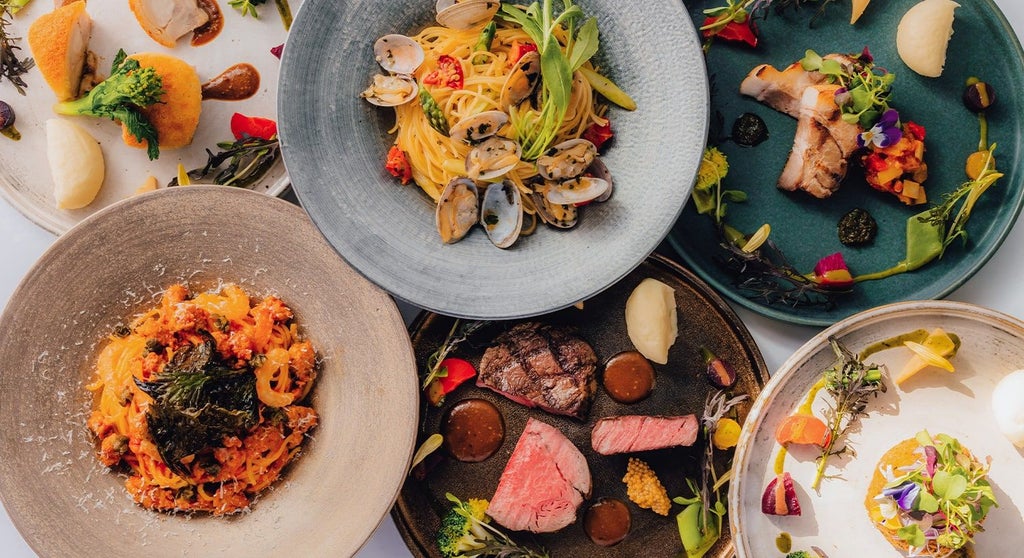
x=209, y=30
x=628, y=377
x=607, y=522
x=238, y=82
x=473, y=430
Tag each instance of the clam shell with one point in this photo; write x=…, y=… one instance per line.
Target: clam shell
x=501, y=213
x=598, y=169
x=492, y=158
x=567, y=160
x=521, y=80
x=398, y=54
x=391, y=91
x=558, y=216
x=457, y=210
x=575, y=190
x=466, y=14
x=476, y=128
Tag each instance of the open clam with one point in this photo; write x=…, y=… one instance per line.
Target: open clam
x=390, y=91
x=501, y=213
x=398, y=54
x=557, y=215
x=492, y=158
x=457, y=210
x=568, y=159
x=465, y=14
x=576, y=190
x=598, y=169
x=476, y=128
x=521, y=80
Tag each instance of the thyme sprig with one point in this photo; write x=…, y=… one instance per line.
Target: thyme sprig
x=459, y=332
x=767, y=275
x=11, y=66
x=851, y=383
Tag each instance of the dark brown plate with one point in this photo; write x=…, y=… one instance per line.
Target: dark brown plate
x=680, y=388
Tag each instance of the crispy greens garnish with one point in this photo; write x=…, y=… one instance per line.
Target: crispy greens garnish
x=248, y=160
x=11, y=66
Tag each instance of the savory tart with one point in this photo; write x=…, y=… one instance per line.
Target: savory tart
x=929, y=496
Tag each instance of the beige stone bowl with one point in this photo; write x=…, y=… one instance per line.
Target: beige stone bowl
x=117, y=262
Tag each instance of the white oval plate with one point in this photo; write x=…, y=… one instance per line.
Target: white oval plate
x=834, y=519
x=25, y=180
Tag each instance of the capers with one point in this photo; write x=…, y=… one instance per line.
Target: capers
x=857, y=228
x=979, y=95
x=749, y=130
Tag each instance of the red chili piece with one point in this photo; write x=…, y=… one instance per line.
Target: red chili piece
x=733, y=31
x=598, y=134
x=398, y=165
x=518, y=49
x=448, y=73
x=243, y=126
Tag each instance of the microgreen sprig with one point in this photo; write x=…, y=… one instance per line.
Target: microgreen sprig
x=865, y=89
x=851, y=383
x=459, y=332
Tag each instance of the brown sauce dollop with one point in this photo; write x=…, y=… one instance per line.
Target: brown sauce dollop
x=473, y=430
x=209, y=30
x=238, y=82
x=607, y=522
x=628, y=377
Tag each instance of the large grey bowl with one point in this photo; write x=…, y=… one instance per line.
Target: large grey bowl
x=115, y=263
x=334, y=146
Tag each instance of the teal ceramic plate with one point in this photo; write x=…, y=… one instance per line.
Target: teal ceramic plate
x=983, y=44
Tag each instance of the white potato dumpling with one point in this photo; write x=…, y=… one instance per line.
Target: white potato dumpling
x=923, y=36
x=651, y=319
x=1008, y=407
x=76, y=163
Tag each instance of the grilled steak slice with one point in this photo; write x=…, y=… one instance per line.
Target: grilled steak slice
x=543, y=484
x=631, y=433
x=541, y=366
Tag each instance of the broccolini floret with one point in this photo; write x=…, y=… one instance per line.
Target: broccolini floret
x=121, y=97
x=466, y=532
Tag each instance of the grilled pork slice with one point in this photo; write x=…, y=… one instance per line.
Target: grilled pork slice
x=784, y=90
x=822, y=146
x=543, y=484
x=165, y=21
x=631, y=433
x=59, y=41
x=541, y=366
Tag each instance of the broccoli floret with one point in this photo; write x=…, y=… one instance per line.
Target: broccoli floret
x=466, y=531
x=121, y=97
x=799, y=554
x=462, y=530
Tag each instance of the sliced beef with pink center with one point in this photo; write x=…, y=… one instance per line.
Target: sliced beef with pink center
x=632, y=433
x=544, y=482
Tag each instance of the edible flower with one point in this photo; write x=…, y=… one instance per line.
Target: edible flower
x=832, y=272
x=884, y=133
x=904, y=494
x=732, y=22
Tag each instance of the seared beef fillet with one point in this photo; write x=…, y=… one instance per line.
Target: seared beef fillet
x=543, y=484
x=541, y=366
x=631, y=433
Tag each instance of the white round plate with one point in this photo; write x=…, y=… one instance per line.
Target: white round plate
x=25, y=180
x=834, y=518
x=117, y=263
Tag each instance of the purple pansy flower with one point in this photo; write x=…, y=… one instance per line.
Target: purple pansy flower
x=904, y=494
x=884, y=133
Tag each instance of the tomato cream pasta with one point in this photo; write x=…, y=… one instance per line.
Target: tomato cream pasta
x=201, y=399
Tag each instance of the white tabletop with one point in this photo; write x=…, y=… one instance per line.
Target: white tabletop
x=997, y=286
